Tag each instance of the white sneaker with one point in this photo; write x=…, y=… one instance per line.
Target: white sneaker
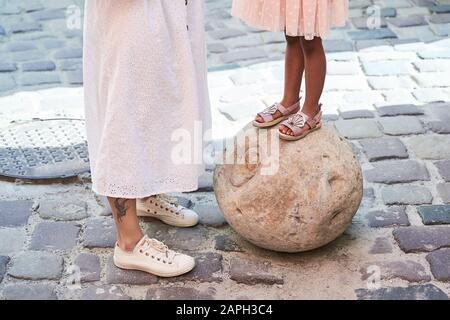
x=153, y=257
x=167, y=210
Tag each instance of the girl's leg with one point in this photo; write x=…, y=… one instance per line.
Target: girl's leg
x=294, y=67
x=315, y=72
x=128, y=230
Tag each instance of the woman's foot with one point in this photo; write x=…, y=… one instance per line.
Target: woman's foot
x=167, y=210
x=276, y=113
x=301, y=124
x=152, y=256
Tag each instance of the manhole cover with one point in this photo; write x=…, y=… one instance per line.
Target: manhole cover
x=44, y=150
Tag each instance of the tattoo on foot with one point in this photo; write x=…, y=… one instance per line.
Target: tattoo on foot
x=121, y=207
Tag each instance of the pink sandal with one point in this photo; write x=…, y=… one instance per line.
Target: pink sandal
x=301, y=125
x=268, y=113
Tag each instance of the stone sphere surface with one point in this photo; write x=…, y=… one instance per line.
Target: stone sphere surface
x=307, y=201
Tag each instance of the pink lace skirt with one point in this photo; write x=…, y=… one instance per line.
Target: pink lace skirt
x=308, y=18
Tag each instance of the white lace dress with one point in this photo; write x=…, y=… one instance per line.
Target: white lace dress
x=146, y=98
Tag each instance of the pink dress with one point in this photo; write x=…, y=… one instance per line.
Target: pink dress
x=308, y=18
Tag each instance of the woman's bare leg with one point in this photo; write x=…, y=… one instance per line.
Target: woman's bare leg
x=129, y=231
x=294, y=67
x=315, y=72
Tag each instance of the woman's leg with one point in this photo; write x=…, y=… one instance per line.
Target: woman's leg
x=315, y=72
x=294, y=67
x=128, y=230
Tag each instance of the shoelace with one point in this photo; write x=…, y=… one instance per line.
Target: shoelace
x=149, y=244
x=171, y=201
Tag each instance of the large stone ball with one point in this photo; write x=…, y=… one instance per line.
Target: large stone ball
x=303, y=202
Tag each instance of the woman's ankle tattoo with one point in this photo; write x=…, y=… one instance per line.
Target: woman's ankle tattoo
x=120, y=205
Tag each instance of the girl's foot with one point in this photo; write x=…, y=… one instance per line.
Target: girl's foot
x=167, y=210
x=275, y=114
x=300, y=125
x=153, y=257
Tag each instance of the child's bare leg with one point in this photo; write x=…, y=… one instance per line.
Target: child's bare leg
x=294, y=67
x=315, y=72
x=128, y=230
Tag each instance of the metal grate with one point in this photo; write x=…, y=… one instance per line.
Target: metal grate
x=46, y=149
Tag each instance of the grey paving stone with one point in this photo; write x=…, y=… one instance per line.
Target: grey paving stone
x=7, y=82
x=25, y=27
x=68, y=53
x=225, y=243
x=217, y=48
x=11, y=240
x=62, y=211
x=205, y=182
x=210, y=214
x=381, y=246
x=253, y=272
x=401, y=125
x=440, y=264
x=15, y=213
x=48, y=14
x=232, y=57
x=406, y=194
x=75, y=77
x=444, y=169
x=422, y=238
x=44, y=65
x=434, y=54
x=396, y=110
x=89, y=265
x=415, y=292
x=103, y=293
x=21, y=56
x=407, y=21
x=208, y=269
x=393, y=216
x=36, y=265
x=358, y=128
x=21, y=46
x=223, y=34
x=53, y=43
x=440, y=18
x=4, y=260
x=361, y=23
x=337, y=45
x=177, y=293
x=116, y=275
x=100, y=232
x=440, y=8
x=354, y=114
x=71, y=64
x=441, y=127
x=408, y=270
x=444, y=191
x=30, y=291
x=177, y=238
x=387, y=68
x=435, y=214
x=39, y=78
x=399, y=171
x=383, y=33
x=384, y=148
x=55, y=236
x=7, y=67
x=430, y=147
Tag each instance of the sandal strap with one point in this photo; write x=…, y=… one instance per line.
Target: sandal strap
x=298, y=121
x=267, y=114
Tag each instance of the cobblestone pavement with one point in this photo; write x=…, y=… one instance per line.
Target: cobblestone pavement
x=388, y=92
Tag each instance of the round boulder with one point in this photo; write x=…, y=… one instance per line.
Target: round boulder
x=288, y=196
